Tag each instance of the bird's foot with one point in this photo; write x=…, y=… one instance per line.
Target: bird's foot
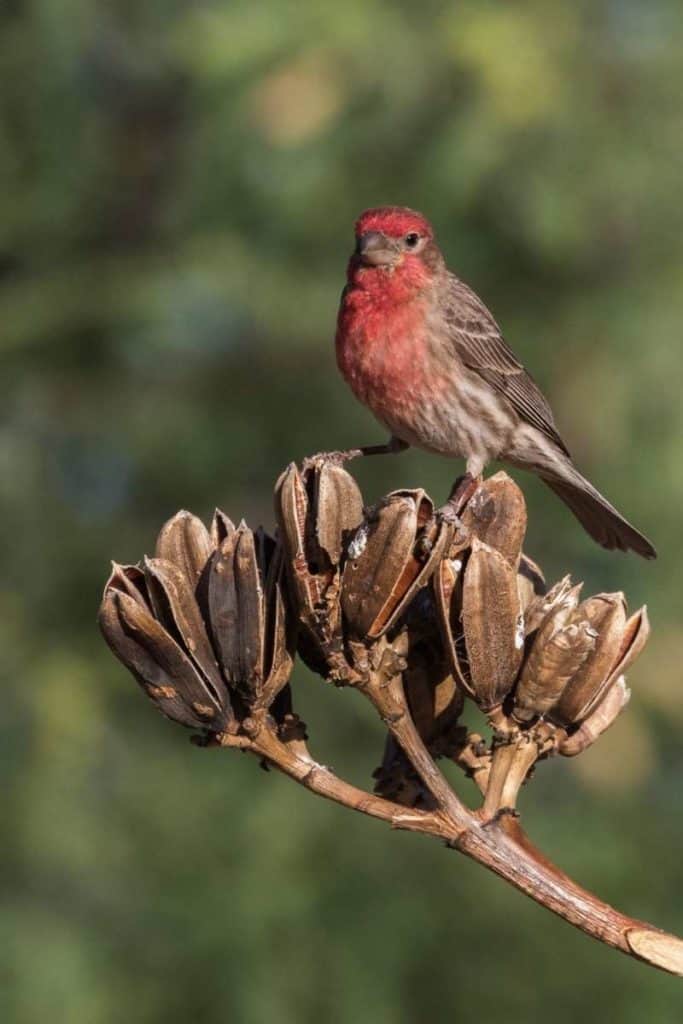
x=463, y=489
x=447, y=514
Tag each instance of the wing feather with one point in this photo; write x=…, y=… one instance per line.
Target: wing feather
x=480, y=345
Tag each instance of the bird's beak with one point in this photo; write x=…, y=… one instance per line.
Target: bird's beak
x=376, y=250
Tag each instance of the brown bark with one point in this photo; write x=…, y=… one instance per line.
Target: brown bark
x=498, y=843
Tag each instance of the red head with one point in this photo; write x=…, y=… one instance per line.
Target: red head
x=396, y=241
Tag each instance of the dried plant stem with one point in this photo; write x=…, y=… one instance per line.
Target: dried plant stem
x=509, y=767
x=298, y=764
x=475, y=765
x=503, y=847
x=388, y=697
x=497, y=843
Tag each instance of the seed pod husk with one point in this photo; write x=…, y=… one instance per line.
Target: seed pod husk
x=636, y=633
x=434, y=698
x=604, y=715
x=174, y=605
x=247, y=615
x=317, y=511
x=185, y=541
x=562, y=594
x=402, y=543
x=496, y=515
x=339, y=509
x=159, y=664
x=493, y=625
x=557, y=653
x=221, y=527
x=530, y=582
x=129, y=579
x=606, y=614
x=447, y=587
x=189, y=631
x=280, y=635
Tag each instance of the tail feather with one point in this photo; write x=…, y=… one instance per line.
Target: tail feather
x=600, y=519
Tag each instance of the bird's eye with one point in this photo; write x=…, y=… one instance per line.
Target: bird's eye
x=412, y=239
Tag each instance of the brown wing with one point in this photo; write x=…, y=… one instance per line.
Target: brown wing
x=479, y=343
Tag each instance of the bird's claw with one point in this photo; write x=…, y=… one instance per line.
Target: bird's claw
x=448, y=514
x=464, y=488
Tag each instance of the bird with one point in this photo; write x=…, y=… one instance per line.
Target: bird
x=420, y=349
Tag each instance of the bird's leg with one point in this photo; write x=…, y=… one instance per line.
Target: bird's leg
x=392, y=447
x=461, y=492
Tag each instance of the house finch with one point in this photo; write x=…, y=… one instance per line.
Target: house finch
x=425, y=355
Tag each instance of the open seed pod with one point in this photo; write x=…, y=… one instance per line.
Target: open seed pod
x=173, y=663
x=496, y=515
x=203, y=629
x=390, y=558
x=247, y=616
x=559, y=649
x=562, y=595
x=186, y=542
x=317, y=510
x=618, y=642
x=575, y=653
x=530, y=583
x=556, y=656
x=599, y=720
x=481, y=622
x=493, y=625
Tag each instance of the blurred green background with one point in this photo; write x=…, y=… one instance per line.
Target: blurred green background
x=178, y=183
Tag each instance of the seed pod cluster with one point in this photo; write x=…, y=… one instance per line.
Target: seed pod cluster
x=203, y=625
x=523, y=655
x=452, y=609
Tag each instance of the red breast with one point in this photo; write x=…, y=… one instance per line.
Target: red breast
x=381, y=344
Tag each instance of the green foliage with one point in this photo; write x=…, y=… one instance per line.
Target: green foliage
x=178, y=183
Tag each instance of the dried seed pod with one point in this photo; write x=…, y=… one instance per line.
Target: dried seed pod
x=562, y=594
x=606, y=615
x=604, y=715
x=129, y=579
x=317, y=511
x=530, y=582
x=185, y=541
x=493, y=625
x=636, y=634
x=435, y=702
x=434, y=698
x=391, y=556
x=164, y=670
x=496, y=515
x=447, y=586
x=247, y=615
x=174, y=605
x=339, y=509
x=558, y=652
x=189, y=644
x=221, y=527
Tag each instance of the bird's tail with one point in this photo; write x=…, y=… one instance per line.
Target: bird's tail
x=600, y=519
